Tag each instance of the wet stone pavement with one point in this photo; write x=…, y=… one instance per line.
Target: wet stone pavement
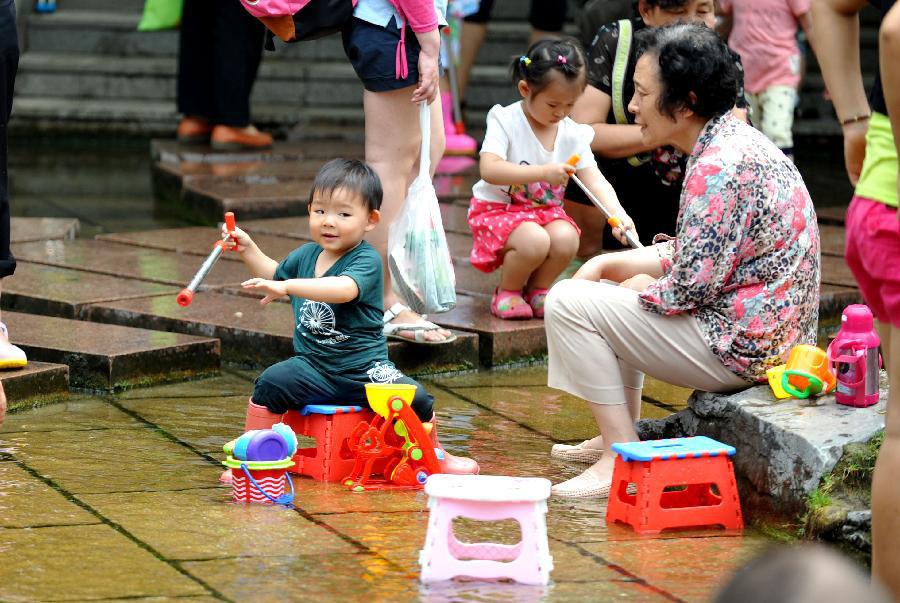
x=116, y=497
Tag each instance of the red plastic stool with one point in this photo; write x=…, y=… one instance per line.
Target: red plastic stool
x=331, y=459
x=693, y=465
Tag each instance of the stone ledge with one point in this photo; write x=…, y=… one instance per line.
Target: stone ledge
x=37, y=384
x=784, y=447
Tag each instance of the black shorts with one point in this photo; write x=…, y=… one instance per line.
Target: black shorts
x=372, y=51
x=296, y=382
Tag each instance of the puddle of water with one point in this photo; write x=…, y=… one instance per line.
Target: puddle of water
x=114, y=497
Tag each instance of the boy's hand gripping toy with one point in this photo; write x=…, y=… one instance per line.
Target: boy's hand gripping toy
x=395, y=438
x=807, y=372
x=613, y=221
x=227, y=243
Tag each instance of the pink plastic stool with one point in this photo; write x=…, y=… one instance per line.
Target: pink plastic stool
x=490, y=498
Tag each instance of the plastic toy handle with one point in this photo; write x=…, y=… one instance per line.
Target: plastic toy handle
x=815, y=384
x=185, y=297
x=229, y=244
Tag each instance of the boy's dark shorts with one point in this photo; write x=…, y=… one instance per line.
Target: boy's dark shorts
x=296, y=382
x=372, y=51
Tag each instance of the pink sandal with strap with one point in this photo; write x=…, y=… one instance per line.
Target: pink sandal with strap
x=535, y=298
x=509, y=305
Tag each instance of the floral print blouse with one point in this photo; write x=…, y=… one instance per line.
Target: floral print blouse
x=745, y=260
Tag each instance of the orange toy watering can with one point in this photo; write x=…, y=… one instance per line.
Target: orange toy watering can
x=807, y=372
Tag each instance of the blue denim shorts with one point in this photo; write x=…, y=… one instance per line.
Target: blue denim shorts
x=372, y=51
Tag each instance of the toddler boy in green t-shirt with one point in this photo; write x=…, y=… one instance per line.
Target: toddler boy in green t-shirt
x=335, y=287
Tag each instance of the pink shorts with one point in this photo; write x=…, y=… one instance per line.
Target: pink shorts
x=873, y=254
x=493, y=222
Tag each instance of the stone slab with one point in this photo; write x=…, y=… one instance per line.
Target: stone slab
x=26, y=502
x=784, y=447
x=834, y=298
x=104, y=257
x=110, y=357
x=62, y=292
x=196, y=524
x=35, y=384
x=831, y=238
x=832, y=215
x=256, y=336
x=198, y=240
x=86, y=562
x=836, y=272
x=23, y=230
x=454, y=217
x=499, y=341
x=169, y=150
x=209, y=197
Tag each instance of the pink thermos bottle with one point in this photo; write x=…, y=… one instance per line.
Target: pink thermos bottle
x=854, y=358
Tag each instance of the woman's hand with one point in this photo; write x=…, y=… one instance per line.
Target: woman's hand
x=627, y=224
x=272, y=289
x=558, y=173
x=592, y=270
x=429, y=57
x=241, y=238
x=638, y=282
x=855, y=148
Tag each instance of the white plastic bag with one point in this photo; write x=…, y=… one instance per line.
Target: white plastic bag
x=418, y=256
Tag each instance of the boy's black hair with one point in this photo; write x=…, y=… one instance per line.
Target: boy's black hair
x=350, y=174
x=543, y=58
x=692, y=59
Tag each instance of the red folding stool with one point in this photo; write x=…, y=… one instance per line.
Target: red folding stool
x=674, y=483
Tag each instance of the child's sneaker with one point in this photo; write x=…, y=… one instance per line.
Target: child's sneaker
x=11, y=356
x=535, y=299
x=509, y=305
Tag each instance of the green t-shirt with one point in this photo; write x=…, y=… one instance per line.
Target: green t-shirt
x=878, y=180
x=344, y=337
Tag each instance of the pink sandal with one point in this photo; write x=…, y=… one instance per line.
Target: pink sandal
x=509, y=305
x=535, y=298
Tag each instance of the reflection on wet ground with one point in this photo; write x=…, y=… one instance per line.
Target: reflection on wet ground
x=117, y=497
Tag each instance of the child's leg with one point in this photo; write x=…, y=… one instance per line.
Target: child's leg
x=885, y=496
x=777, y=121
x=563, y=245
x=621, y=265
x=525, y=250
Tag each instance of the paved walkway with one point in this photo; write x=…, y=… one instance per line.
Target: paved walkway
x=116, y=497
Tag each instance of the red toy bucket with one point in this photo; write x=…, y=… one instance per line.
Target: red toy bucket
x=259, y=482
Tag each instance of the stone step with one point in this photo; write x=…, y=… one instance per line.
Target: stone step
x=115, y=33
x=831, y=238
x=832, y=215
x=24, y=230
x=255, y=336
x=36, y=384
x=499, y=341
x=110, y=357
x=54, y=291
x=104, y=257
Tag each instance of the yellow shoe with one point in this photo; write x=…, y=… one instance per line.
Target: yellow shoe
x=11, y=356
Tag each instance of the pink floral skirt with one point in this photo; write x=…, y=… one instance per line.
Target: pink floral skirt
x=492, y=223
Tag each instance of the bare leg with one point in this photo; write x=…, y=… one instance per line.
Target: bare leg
x=885, y=496
x=471, y=37
x=526, y=249
x=592, y=223
x=633, y=399
x=392, y=149
x=884, y=334
x=563, y=245
x=616, y=425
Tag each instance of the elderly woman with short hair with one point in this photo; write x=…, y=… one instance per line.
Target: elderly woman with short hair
x=723, y=301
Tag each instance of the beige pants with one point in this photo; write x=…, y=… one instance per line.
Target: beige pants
x=601, y=341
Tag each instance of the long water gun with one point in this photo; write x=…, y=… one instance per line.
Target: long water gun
x=612, y=220
x=227, y=243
